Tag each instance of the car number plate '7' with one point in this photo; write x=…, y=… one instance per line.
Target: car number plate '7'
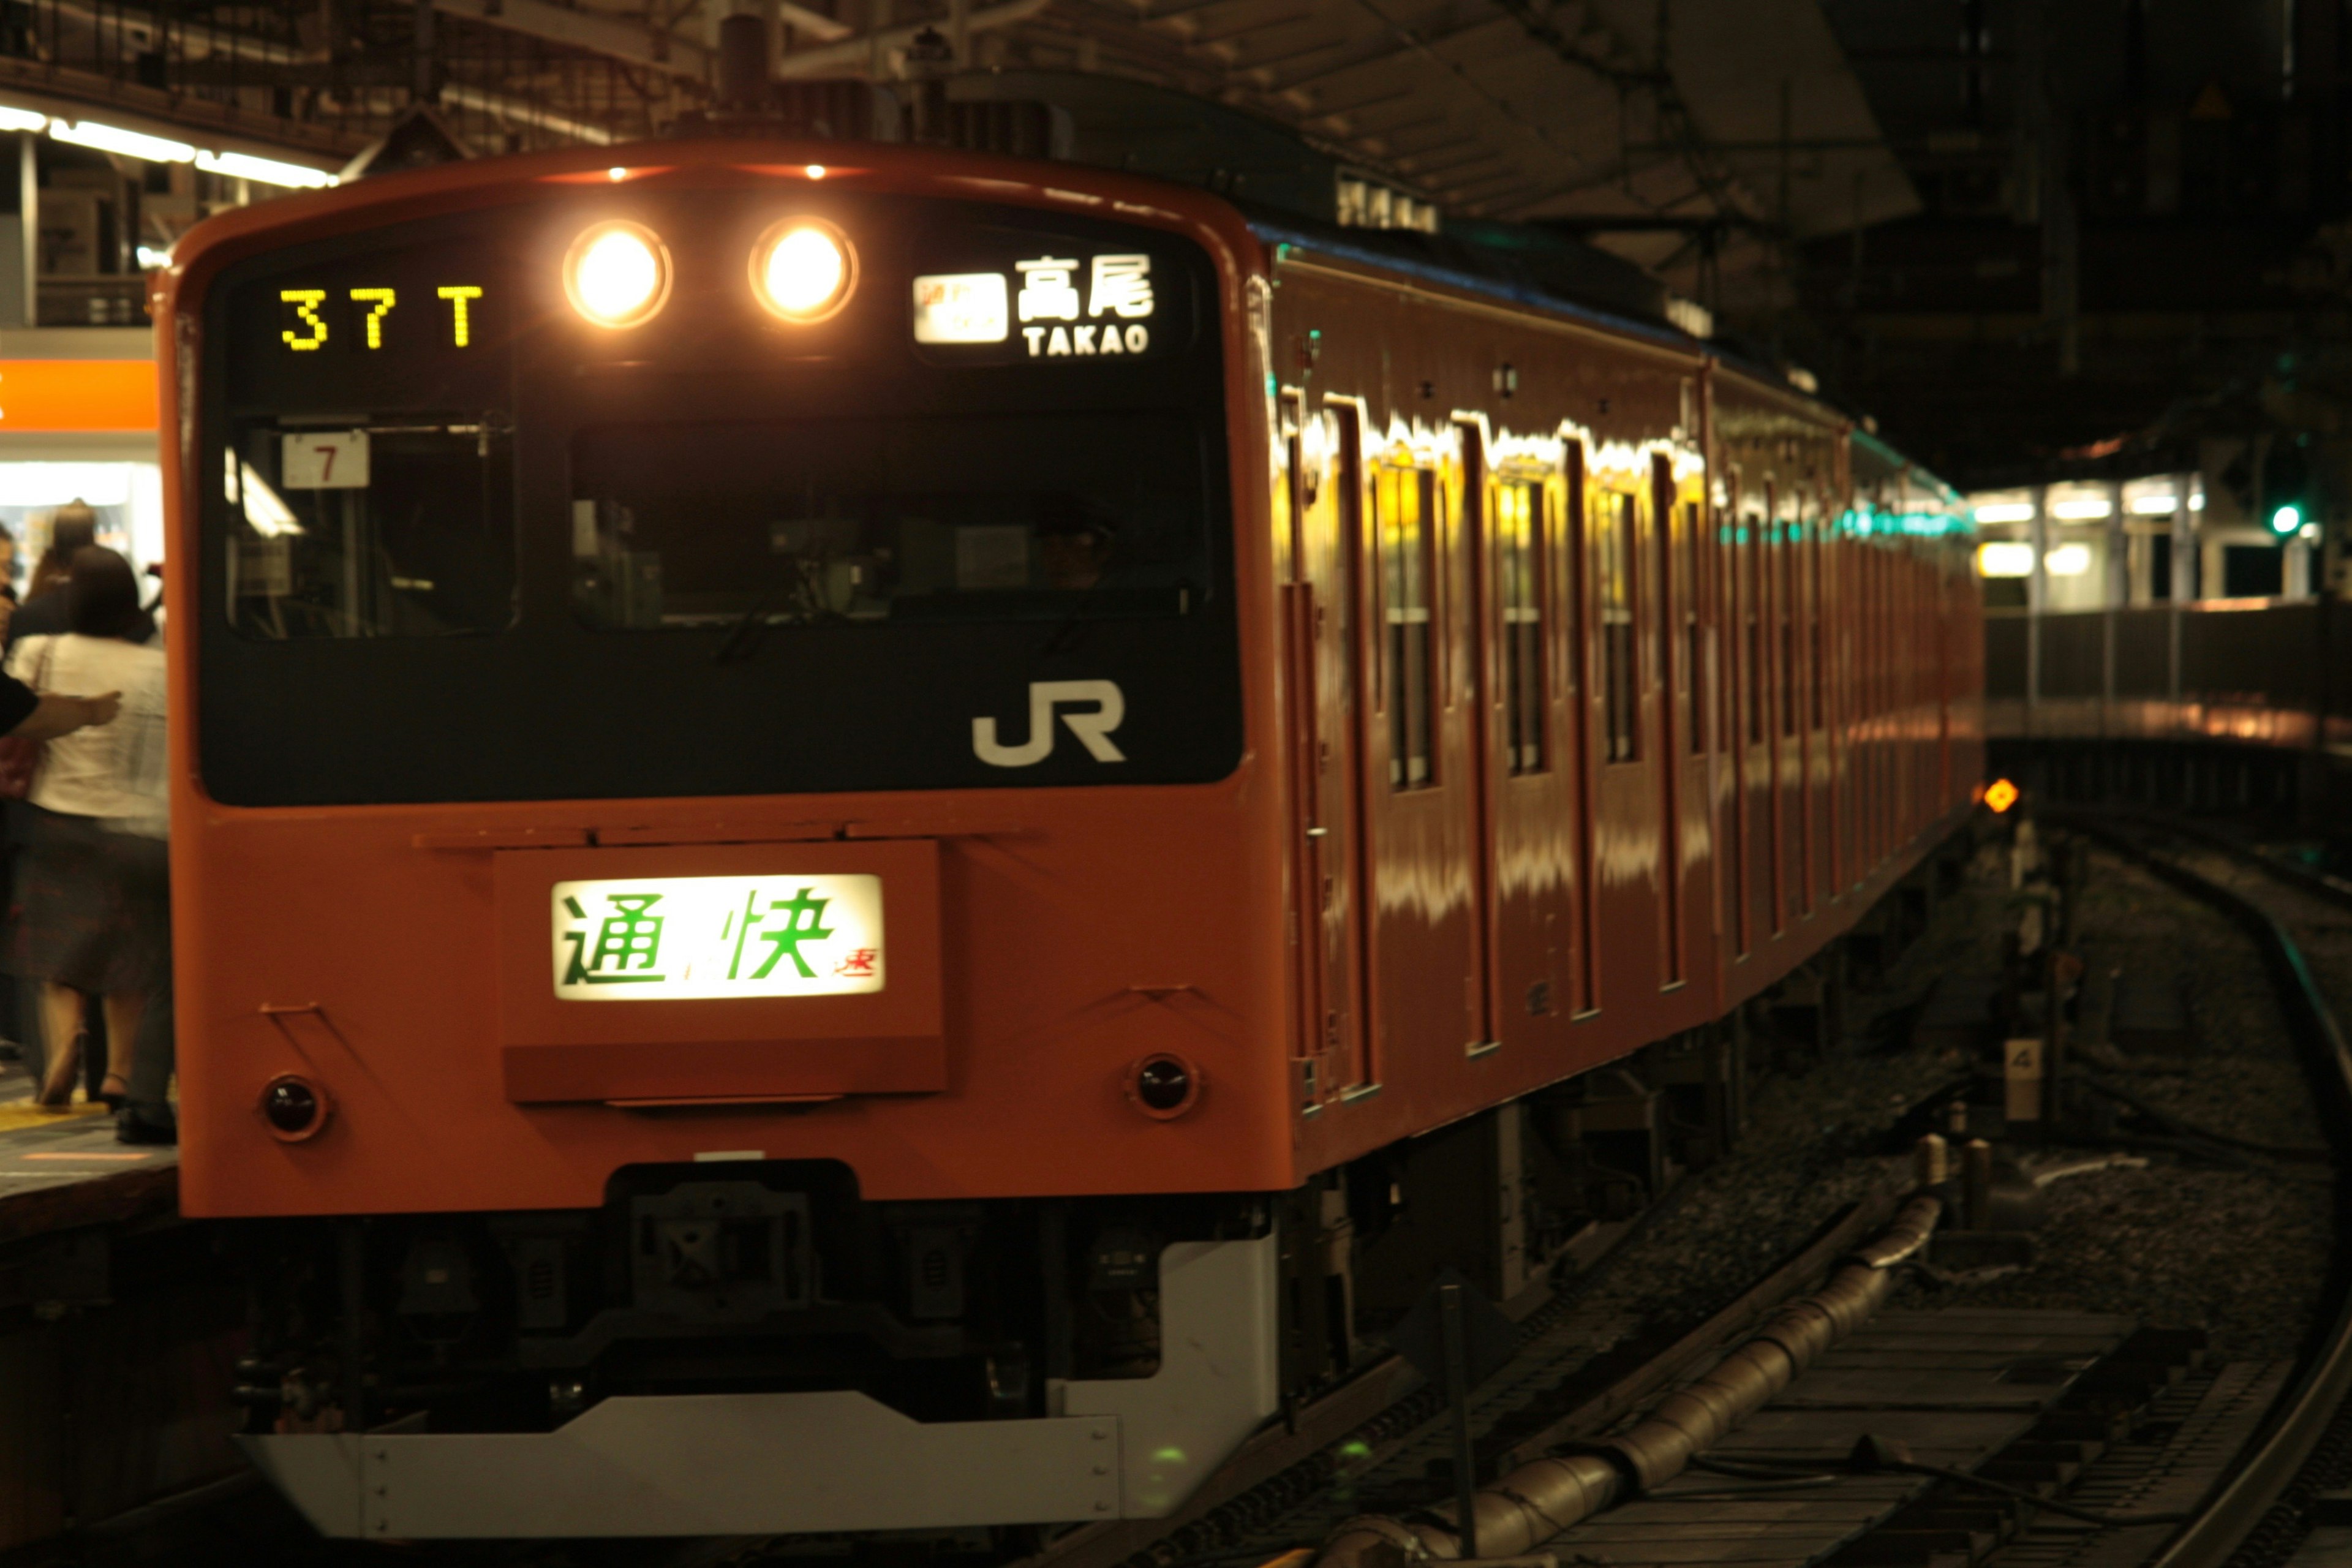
x=654, y=938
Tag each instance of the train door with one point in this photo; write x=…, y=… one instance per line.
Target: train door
x=1297, y=594
x=1477, y=609
x=1512, y=518
x=1945, y=592
x=1421, y=804
x=1671, y=596
x=1575, y=578
x=1829, y=619
x=1788, y=764
x=1736, y=549
x=1765, y=562
x=1695, y=680
x=1324, y=601
x=1805, y=695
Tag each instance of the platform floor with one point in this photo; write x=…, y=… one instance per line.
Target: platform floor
x=58, y=1172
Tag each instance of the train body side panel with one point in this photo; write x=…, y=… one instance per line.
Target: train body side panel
x=1773, y=721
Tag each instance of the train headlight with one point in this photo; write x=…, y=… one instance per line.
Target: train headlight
x=617, y=274
x=804, y=269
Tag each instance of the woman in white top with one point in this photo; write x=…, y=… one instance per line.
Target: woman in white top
x=94, y=899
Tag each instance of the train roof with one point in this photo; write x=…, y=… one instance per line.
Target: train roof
x=1520, y=276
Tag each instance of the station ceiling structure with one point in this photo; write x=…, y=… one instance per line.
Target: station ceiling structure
x=2019, y=233
x=1672, y=121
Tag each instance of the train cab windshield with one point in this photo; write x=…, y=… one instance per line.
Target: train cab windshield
x=466, y=544
x=1023, y=516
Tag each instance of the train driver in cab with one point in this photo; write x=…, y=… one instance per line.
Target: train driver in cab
x=1075, y=547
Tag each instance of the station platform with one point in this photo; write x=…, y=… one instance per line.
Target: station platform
x=121, y=1326
x=57, y=1173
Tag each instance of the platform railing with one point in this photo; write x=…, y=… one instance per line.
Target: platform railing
x=2256, y=672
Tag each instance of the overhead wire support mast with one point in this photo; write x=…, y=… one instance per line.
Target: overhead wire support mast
x=1680, y=132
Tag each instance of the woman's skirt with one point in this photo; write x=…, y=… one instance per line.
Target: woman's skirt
x=93, y=907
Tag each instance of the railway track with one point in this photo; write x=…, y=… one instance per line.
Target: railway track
x=2292, y=913
x=2165, y=1458
x=1892, y=1446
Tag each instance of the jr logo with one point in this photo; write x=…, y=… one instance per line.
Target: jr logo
x=1093, y=729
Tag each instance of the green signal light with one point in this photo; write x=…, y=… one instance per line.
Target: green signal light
x=2287, y=518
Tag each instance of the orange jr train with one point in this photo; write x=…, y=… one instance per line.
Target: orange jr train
x=872, y=837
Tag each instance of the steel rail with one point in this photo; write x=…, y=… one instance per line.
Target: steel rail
x=1389, y=1394
x=2313, y=1404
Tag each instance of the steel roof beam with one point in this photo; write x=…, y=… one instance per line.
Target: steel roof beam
x=856, y=53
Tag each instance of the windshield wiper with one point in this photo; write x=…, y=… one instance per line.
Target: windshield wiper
x=744, y=637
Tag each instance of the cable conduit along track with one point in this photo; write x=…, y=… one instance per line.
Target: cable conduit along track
x=2253, y=1521
x=1538, y=1499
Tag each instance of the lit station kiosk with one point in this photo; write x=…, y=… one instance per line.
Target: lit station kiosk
x=77, y=424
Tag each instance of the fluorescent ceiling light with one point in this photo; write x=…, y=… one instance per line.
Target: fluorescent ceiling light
x=22, y=119
x=2197, y=502
x=2006, y=512
x=268, y=171
x=2088, y=509
x=39, y=485
x=2155, y=506
x=130, y=144
x=2005, y=558
x=2067, y=561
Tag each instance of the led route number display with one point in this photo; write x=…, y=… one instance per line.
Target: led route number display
x=366, y=313
x=658, y=939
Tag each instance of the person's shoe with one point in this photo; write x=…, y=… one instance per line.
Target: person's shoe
x=146, y=1124
x=115, y=1091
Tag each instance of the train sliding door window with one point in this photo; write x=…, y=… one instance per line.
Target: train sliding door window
x=1519, y=563
x=1621, y=715
x=1405, y=513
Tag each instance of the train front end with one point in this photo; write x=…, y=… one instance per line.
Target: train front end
x=731, y=952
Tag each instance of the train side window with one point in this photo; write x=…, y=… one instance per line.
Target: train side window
x=1617, y=648
x=403, y=529
x=1519, y=571
x=1406, y=522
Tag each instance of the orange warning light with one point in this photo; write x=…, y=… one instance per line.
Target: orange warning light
x=2001, y=796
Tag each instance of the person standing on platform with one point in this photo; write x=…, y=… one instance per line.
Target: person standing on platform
x=73, y=528
x=93, y=910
